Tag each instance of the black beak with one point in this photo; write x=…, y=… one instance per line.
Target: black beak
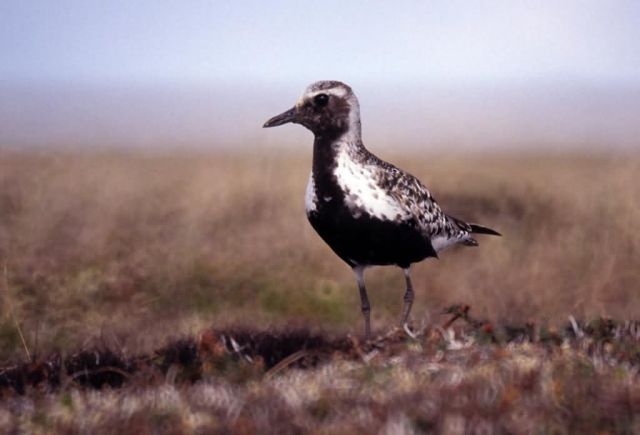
x=288, y=116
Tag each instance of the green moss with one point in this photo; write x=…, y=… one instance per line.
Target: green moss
x=66, y=400
x=324, y=302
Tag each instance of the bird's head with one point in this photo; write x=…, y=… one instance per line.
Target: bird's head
x=327, y=108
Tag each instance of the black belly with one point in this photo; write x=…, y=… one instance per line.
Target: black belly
x=366, y=240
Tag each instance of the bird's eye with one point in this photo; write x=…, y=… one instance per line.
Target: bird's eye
x=321, y=100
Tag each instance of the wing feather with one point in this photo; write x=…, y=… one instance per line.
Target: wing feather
x=413, y=197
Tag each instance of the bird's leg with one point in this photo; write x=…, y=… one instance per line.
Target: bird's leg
x=408, y=297
x=364, y=301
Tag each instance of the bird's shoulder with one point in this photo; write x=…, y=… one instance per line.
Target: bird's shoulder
x=410, y=193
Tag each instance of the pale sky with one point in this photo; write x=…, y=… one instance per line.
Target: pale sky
x=204, y=42
x=475, y=74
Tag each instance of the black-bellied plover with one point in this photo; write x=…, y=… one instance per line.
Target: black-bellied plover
x=368, y=211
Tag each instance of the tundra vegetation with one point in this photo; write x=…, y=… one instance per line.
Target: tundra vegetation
x=185, y=292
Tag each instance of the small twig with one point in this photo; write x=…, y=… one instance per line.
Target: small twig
x=576, y=328
x=35, y=339
x=286, y=362
x=459, y=312
x=371, y=355
x=449, y=322
x=5, y=285
x=172, y=373
x=380, y=340
x=408, y=331
x=106, y=369
x=443, y=332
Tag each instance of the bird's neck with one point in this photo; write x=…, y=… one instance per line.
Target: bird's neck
x=327, y=150
x=344, y=130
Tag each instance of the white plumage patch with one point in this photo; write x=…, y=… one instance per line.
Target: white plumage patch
x=308, y=94
x=362, y=194
x=442, y=242
x=310, y=198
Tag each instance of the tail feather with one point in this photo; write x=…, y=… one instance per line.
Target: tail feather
x=473, y=228
x=469, y=241
x=479, y=229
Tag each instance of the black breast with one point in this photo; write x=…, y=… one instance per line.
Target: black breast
x=366, y=240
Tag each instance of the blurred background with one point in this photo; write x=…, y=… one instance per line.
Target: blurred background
x=140, y=197
x=474, y=75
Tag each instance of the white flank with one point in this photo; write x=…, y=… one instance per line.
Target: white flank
x=364, y=195
x=310, y=198
x=441, y=242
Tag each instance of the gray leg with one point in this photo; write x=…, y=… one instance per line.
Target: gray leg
x=408, y=297
x=364, y=301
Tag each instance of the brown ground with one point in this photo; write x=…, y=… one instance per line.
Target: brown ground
x=125, y=251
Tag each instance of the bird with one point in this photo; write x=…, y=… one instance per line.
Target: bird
x=369, y=212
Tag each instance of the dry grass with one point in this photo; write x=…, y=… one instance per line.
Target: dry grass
x=125, y=250
x=109, y=244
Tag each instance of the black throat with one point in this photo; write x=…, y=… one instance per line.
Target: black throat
x=325, y=153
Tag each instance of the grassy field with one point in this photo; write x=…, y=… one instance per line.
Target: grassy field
x=129, y=252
